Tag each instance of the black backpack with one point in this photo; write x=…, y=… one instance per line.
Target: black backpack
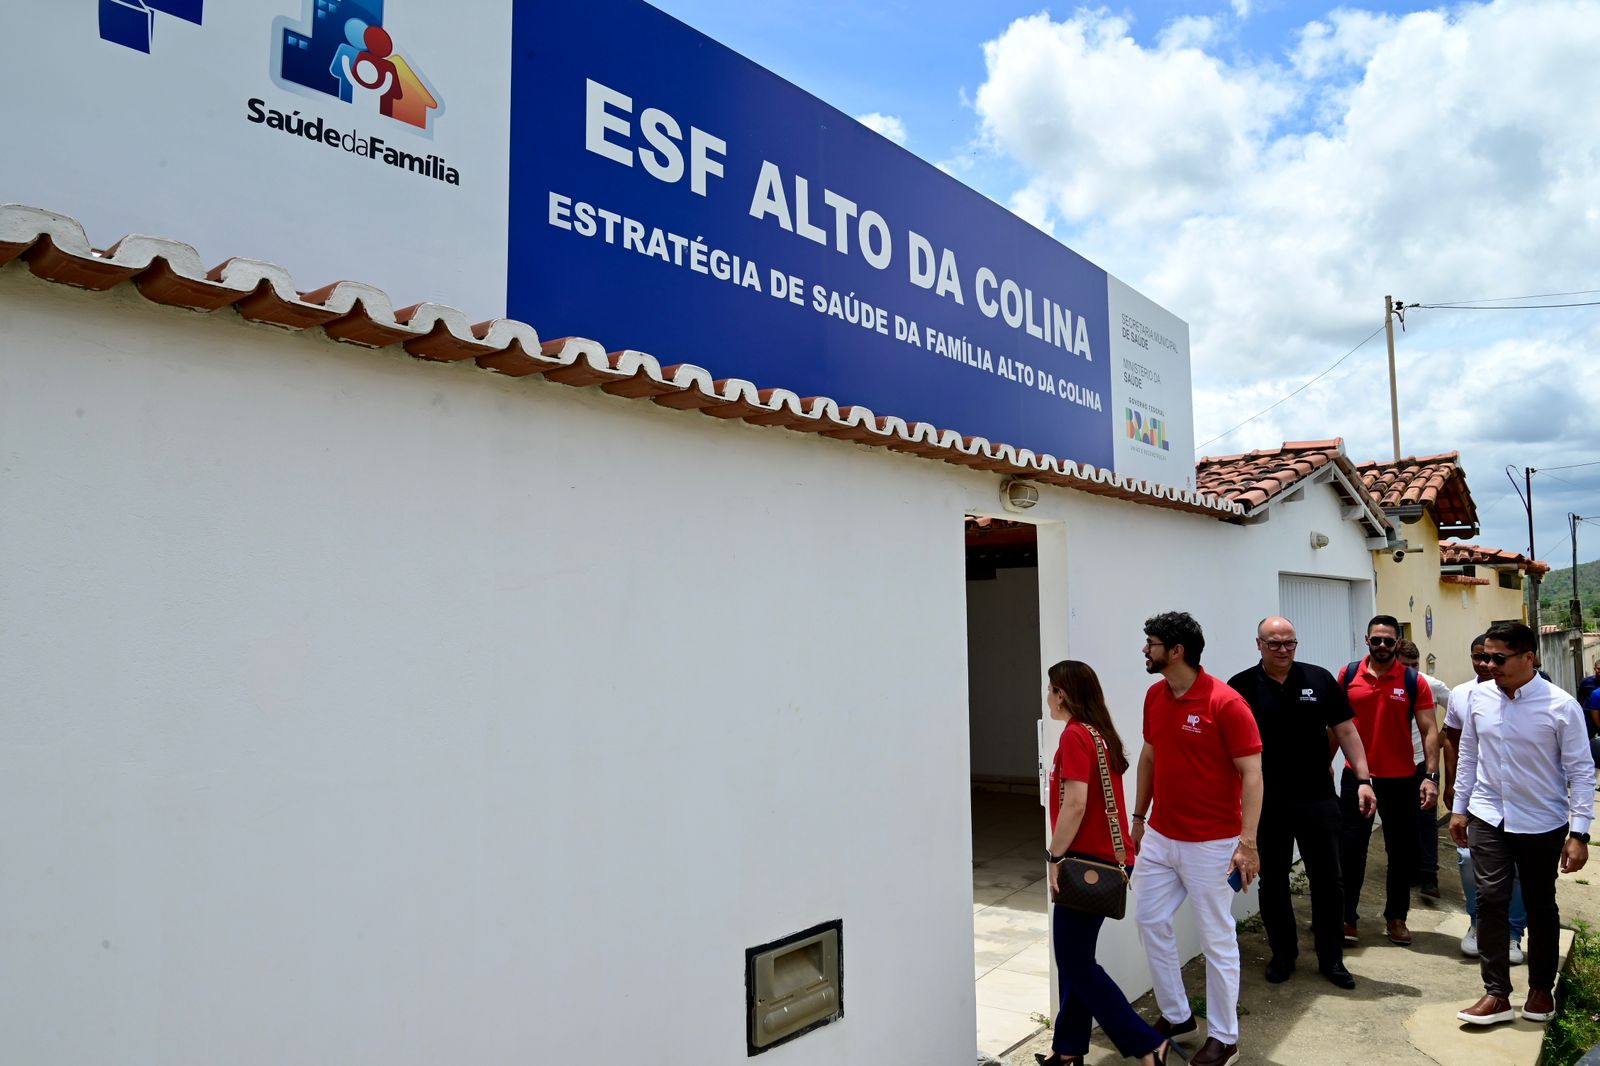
x=1348, y=674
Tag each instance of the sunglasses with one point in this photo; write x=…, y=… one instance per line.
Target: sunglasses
x=1381, y=642
x=1498, y=658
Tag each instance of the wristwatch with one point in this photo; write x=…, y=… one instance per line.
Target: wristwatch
x=1582, y=838
x=1432, y=775
x=1363, y=781
x=1053, y=859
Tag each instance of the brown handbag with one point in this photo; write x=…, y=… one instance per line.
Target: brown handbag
x=1090, y=886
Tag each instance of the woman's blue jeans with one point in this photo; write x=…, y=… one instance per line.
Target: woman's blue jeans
x=1469, y=888
x=1088, y=994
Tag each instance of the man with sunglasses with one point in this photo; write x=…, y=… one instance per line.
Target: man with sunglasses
x=1450, y=748
x=1523, y=804
x=1386, y=696
x=1295, y=706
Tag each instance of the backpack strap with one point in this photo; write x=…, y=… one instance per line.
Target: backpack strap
x=1348, y=674
x=1411, y=688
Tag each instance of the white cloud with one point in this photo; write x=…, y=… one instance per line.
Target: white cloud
x=1441, y=155
x=1241, y=8
x=889, y=125
x=1111, y=128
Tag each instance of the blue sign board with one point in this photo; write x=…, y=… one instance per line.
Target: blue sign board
x=669, y=195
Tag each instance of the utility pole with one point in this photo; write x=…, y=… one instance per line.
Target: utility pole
x=1576, y=606
x=1389, y=308
x=1533, y=573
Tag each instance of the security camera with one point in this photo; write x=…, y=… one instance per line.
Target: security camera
x=1399, y=555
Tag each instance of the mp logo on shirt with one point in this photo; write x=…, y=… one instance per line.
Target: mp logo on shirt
x=1308, y=695
x=1399, y=693
x=1191, y=724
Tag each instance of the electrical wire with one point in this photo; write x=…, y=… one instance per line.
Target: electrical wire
x=1570, y=466
x=1497, y=307
x=1511, y=299
x=1296, y=392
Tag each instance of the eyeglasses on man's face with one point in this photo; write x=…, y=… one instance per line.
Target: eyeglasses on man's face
x=1496, y=657
x=1148, y=644
x=1382, y=642
x=1278, y=645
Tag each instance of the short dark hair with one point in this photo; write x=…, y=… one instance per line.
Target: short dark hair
x=1514, y=635
x=1178, y=628
x=1407, y=649
x=1385, y=620
x=1477, y=641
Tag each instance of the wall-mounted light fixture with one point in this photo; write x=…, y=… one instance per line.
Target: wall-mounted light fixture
x=1319, y=540
x=1018, y=495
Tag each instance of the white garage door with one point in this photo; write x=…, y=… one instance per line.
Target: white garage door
x=1320, y=609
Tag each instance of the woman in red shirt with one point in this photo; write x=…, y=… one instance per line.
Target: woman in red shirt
x=1079, y=826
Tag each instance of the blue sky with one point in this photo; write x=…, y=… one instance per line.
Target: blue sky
x=1307, y=159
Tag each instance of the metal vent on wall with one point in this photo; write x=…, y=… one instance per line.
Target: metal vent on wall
x=794, y=985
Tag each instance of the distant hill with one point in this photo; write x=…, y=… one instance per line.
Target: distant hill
x=1556, y=590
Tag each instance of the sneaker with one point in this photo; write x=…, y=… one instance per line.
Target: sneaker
x=1469, y=943
x=1490, y=1010
x=1540, y=1007
x=1398, y=934
x=1517, y=957
x=1350, y=935
x=1430, y=889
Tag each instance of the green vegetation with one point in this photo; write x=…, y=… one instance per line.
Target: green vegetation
x=1556, y=591
x=1576, y=1027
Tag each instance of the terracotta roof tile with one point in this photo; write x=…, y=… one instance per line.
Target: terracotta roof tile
x=54, y=247
x=1435, y=482
x=1462, y=579
x=1454, y=553
x=1254, y=479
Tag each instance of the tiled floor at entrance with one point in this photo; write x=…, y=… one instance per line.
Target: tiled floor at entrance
x=1010, y=925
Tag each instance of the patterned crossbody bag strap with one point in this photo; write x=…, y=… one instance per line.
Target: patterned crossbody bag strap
x=1112, y=814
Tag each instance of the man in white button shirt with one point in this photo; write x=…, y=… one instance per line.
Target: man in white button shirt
x=1524, y=801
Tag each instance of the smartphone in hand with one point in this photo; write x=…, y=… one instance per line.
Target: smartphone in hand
x=1235, y=880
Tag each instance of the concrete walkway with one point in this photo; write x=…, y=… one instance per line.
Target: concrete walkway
x=1404, y=1005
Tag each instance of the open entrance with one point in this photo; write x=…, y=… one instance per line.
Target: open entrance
x=1010, y=905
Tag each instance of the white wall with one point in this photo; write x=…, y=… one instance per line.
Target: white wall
x=365, y=709
x=360, y=709
x=1005, y=680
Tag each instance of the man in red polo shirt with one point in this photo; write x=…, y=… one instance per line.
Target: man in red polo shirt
x=1386, y=695
x=1201, y=764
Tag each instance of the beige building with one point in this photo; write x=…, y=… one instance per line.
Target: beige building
x=1444, y=592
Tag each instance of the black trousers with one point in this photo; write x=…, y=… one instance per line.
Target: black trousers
x=1535, y=858
x=1314, y=826
x=1397, y=804
x=1427, y=835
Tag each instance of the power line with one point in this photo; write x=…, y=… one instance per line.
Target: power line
x=1301, y=389
x=1497, y=307
x=1512, y=299
x=1570, y=466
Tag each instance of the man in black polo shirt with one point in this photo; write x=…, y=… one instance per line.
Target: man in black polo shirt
x=1295, y=705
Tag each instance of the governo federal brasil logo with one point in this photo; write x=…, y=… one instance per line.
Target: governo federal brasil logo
x=341, y=49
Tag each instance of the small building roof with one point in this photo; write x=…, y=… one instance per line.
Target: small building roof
x=1256, y=480
x=55, y=248
x=1454, y=553
x=1435, y=483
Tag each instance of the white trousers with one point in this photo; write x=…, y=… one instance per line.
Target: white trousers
x=1168, y=872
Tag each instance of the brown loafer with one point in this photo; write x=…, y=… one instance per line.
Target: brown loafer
x=1215, y=1053
x=1398, y=934
x=1171, y=1030
x=1490, y=1010
x=1540, y=1007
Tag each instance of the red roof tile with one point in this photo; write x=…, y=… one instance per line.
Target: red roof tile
x=1454, y=553
x=1435, y=482
x=1254, y=479
x=1462, y=579
x=55, y=247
